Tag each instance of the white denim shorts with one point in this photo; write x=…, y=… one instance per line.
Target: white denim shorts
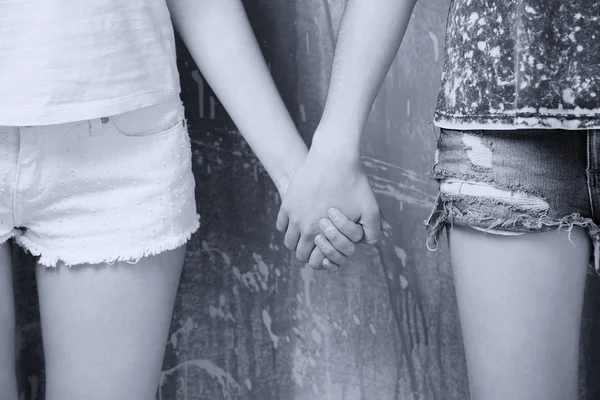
x=116, y=188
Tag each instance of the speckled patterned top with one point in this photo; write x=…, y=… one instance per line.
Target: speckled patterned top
x=513, y=64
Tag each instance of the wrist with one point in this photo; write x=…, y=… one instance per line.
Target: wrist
x=337, y=140
x=289, y=169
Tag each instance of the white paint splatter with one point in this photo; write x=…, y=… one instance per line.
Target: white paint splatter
x=223, y=255
x=402, y=188
x=315, y=388
x=262, y=266
x=267, y=321
x=384, y=166
x=403, y=282
x=219, y=312
x=401, y=254
x=248, y=279
x=186, y=329
x=530, y=10
x=225, y=379
x=320, y=322
x=568, y=96
x=307, y=41
x=300, y=362
x=307, y=273
x=436, y=45
x=256, y=279
x=473, y=18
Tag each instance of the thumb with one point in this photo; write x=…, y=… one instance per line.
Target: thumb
x=371, y=224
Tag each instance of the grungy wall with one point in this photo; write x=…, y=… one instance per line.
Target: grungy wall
x=253, y=323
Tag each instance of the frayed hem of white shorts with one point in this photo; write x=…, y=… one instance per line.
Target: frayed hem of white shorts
x=12, y=235
x=51, y=260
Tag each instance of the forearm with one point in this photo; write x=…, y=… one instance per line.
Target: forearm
x=219, y=37
x=369, y=37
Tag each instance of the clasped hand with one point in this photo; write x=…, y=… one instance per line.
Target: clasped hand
x=329, y=207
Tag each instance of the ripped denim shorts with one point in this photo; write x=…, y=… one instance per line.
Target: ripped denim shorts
x=517, y=182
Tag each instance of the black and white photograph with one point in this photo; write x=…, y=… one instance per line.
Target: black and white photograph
x=299, y=199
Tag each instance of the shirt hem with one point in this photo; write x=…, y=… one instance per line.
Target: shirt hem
x=72, y=112
x=515, y=122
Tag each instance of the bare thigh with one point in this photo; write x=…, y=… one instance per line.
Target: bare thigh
x=8, y=381
x=520, y=300
x=105, y=327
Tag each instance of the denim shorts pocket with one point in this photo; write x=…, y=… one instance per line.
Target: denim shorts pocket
x=153, y=122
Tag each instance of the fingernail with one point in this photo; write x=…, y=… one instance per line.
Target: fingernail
x=324, y=223
x=329, y=266
x=386, y=225
x=333, y=214
x=320, y=241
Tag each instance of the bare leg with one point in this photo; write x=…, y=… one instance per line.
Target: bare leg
x=520, y=300
x=8, y=377
x=105, y=327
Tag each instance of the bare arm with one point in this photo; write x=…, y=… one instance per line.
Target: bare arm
x=369, y=37
x=219, y=37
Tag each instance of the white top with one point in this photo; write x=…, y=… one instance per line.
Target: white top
x=70, y=60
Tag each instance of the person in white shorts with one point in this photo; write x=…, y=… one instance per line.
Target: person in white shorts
x=96, y=175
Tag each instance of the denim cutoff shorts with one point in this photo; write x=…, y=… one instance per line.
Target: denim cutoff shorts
x=116, y=188
x=515, y=182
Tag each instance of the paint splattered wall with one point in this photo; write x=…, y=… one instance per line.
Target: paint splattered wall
x=251, y=322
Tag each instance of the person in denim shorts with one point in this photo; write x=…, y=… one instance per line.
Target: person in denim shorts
x=96, y=177
x=518, y=164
